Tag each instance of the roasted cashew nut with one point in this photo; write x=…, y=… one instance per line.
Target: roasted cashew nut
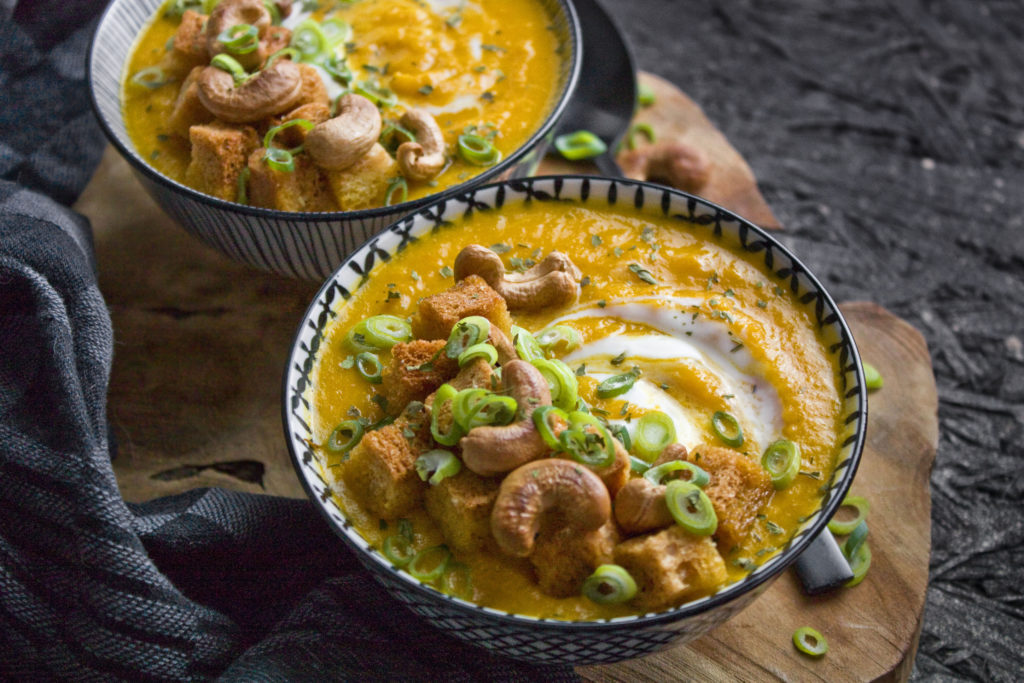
x=269, y=92
x=491, y=450
x=640, y=504
x=230, y=13
x=674, y=163
x=552, y=491
x=423, y=159
x=552, y=282
x=340, y=142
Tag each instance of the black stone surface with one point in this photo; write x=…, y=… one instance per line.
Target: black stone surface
x=888, y=137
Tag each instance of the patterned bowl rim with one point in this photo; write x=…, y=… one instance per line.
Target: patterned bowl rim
x=127, y=150
x=300, y=364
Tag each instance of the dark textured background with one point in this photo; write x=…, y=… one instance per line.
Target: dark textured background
x=888, y=137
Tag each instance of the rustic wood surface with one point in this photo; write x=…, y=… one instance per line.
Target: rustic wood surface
x=201, y=344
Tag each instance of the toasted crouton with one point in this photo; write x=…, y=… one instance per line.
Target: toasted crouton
x=461, y=507
x=738, y=489
x=219, y=153
x=417, y=368
x=365, y=183
x=302, y=189
x=313, y=89
x=472, y=295
x=564, y=558
x=615, y=475
x=188, y=110
x=293, y=136
x=381, y=471
x=671, y=566
x=276, y=38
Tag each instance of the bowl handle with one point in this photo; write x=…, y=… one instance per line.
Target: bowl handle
x=822, y=565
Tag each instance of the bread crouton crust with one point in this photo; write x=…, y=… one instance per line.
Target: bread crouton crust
x=738, y=488
x=461, y=507
x=472, y=295
x=417, y=369
x=562, y=560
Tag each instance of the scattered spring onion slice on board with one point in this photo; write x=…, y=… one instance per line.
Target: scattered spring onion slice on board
x=810, y=641
x=861, y=505
x=579, y=145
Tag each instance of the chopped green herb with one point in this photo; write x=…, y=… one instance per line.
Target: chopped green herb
x=595, y=240
x=619, y=358
x=426, y=90
x=642, y=273
x=500, y=248
x=348, y=362
x=446, y=271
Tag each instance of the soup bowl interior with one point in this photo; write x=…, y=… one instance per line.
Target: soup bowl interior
x=307, y=245
x=548, y=640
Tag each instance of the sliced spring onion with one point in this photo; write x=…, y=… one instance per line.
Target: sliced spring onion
x=467, y=332
x=782, y=462
x=344, y=437
x=226, y=62
x=691, y=507
x=429, y=564
x=268, y=139
x=445, y=394
x=644, y=128
x=275, y=13
x=855, y=540
x=687, y=472
x=526, y=344
x=492, y=409
x=638, y=466
x=242, y=188
x=861, y=505
x=279, y=159
x=644, y=95
x=337, y=67
x=465, y=404
x=382, y=97
x=309, y=39
x=581, y=144
x=398, y=549
x=151, y=77
x=622, y=434
x=436, y=465
x=240, y=39
x=727, y=428
x=809, y=641
x=543, y=419
x=477, y=150
x=378, y=332
x=610, y=584
x=872, y=377
x=370, y=367
x=482, y=350
x=336, y=31
x=561, y=381
x=654, y=430
x=617, y=384
x=457, y=580
x=587, y=441
x=558, y=339
x=283, y=52
x=859, y=564
x=398, y=186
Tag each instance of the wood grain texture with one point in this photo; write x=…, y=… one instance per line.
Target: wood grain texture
x=871, y=629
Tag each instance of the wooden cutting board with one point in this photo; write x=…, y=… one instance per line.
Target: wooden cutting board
x=200, y=346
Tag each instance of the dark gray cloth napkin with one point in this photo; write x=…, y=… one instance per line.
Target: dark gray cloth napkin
x=203, y=585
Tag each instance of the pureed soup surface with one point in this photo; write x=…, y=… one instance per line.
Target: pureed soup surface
x=715, y=333
x=488, y=67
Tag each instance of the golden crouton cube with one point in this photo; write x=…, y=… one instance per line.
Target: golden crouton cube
x=188, y=109
x=478, y=374
x=313, y=89
x=190, y=38
x=219, y=153
x=616, y=474
x=364, y=184
x=739, y=488
x=276, y=38
x=472, y=295
x=293, y=136
x=671, y=566
x=302, y=189
x=417, y=368
x=563, y=559
x=381, y=472
x=461, y=507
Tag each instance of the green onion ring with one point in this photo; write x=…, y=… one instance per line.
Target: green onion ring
x=228, y=63
x=370, y=367
x=861, y=505
x=610, y=584
x=859, y=564
x=436, y=465
x=268, y=139
x=691, y=507
x=872, y=377
x=645, y=128
x=467, y=332
x=309, y=40
x=397, y=185
x=283, y=52
x=855, y=540
x=558, y=339
x=644, y=95
x=581, y=144
x=727, y=428
x=691, y=473
x=398, y=549
x=344, y=437
x=622, y=434
x=275, y=13
x=542, y=416
x=337, y=67
x=151, y=77
x=616, y=385
x=279, y=159
x=810, y=641
x=782, y=462
x=654, y=431
x=457, y=580
x=561, y=382
x=492, y=409
x=240, y=39
x=581, y=445
x=481, y=350
x=336, y=31
x=465, y=404
x=438, y=554
x=384, y=331
x=382, y=97
x=526, y=344
x=638, y=466
x=444, y=394
x=477, y=150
